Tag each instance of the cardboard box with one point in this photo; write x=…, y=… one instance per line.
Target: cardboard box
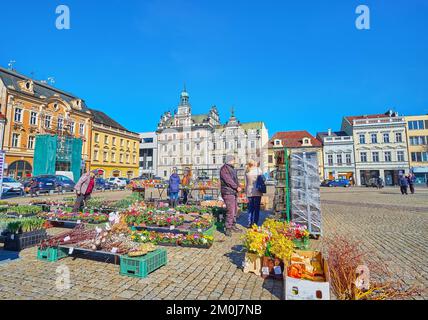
x=298, y=289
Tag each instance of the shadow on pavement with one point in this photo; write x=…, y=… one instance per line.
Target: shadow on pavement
x=8, y=256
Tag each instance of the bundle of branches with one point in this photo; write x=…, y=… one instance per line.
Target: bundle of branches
x=78, y=234
x=357, y=275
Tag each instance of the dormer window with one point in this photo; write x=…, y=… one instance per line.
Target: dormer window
x=27, y=86
x=278, y=142
x=77, y=104
x=306, y=142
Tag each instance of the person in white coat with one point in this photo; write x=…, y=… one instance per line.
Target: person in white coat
x=254, y=196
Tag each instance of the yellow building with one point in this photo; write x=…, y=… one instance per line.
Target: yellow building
x=417, y=140
x=114, y=149
x=32, y=108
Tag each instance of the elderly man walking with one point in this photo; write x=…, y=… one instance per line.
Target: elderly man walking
x=84, y=188
x=229, y=192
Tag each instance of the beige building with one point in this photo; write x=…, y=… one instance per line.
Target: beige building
x=380, y=147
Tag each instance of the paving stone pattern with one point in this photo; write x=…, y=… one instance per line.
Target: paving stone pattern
x=396, y=235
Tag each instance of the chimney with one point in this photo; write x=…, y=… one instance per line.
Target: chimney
x=329, y=132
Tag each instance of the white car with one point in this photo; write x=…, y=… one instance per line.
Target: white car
x=12, y=186
x=117, y=182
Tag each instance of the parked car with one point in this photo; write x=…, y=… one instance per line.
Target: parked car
x=336, y=183
x=11, y=186
x=127, y=181
x=117, y=182
x=52, y=183
x=102, y=184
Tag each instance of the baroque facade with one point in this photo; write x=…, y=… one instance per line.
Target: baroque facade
x=34, y=108
x=201, y=142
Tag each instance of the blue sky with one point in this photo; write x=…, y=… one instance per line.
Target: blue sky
x=293, y=64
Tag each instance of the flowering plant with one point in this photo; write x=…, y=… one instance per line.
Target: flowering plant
x=202, y=223
x=255, y=240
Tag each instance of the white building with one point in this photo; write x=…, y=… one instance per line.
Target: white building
x=380, y=146
x=338, y=155
x=201, y=142
x=148, y=154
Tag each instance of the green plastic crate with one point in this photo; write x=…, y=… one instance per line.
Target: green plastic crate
x=51, y=254
x=140, y=267
x=210, y=231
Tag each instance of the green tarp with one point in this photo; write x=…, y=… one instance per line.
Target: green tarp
x=51, y=149
x=45, y=154
x=76, y=158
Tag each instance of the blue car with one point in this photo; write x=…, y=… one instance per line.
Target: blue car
x=337, y=183
x=102, y=184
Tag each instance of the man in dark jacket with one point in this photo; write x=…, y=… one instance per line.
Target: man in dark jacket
x=173, y=188
x=229, y=192
x=84, y=188
x=411, y=181
x=403, y=184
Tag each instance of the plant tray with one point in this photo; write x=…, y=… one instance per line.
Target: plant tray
x=52, y=254
x=18, y=242
x=196, y=246
x=207, y=232
x=140, y=267
x=301, y=244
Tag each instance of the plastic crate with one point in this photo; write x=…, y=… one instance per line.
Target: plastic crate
x=140, y=267
x=51, y=254
x=210, y=231
x=18, y=242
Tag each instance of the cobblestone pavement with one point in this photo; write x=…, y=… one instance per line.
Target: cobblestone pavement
x=396, y=235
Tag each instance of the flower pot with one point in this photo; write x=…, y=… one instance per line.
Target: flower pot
x=272, y=268
x=252, y=263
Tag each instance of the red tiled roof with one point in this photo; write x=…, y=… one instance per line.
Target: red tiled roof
x=294, y=139
x=370, y=116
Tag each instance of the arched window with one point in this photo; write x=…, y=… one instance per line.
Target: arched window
x=20, y=169
x=116, y=173
x=130, y=174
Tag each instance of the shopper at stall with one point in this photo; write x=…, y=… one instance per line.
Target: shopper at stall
x=33, y=187
x=173, y=188
x=411, y=181
x=254, y=196
x=84, y=188
x=403, y=184
x=185, y=182
x=229, y=192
